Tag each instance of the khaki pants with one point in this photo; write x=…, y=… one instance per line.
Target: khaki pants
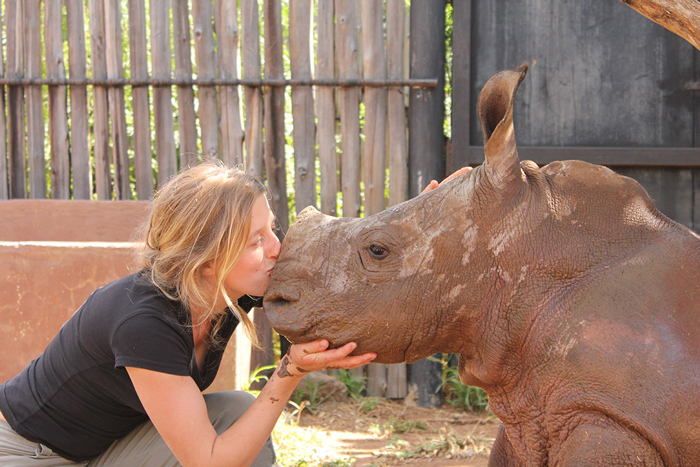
x=143, y=447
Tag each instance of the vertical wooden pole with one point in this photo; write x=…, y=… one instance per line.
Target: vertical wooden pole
x=264, y=356
x=347, y=51
x=143, y=168
x=274, y=119
x=162, y=95
x=274, y=113
x=696, y=139
x=374, y=58
x=206, y=70
x=253, y=95
x=4, y=186
x=302, y=105
x=100, y=108
x=348, y=68
x=58, y=102
x=461, y=83
x=187, y=120
x=250, y=29
x=325, y=69
x=397, y=387
x=115, y=70
x=426, y=109
x=426, y=144
x=17, y=166
x=35, y=111
x=231, y=126
x=374, y=162
x=398, y=144
x=80, y=152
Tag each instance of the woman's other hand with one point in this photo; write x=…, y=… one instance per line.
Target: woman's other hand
x=314, y=356
x=434, y=184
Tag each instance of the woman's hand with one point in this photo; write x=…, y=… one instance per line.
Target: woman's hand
x=313, y=356
x=434, y=184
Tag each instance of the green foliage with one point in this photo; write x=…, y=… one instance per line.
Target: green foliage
x=355, y=384
x=257, y=376
x=400, y=426
x=447, y=122
x=368, y=404
x=450, y=445
x=334, y=463
x=462, y=395
x=309, y=395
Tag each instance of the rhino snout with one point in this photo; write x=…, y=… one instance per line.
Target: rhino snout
x=279, y=306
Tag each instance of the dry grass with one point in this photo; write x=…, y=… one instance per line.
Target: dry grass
x=299, y=446
x=343, y=435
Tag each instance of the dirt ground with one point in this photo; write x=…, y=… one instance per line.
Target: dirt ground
x=385, y=433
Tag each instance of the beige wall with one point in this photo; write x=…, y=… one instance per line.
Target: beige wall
x=53, y=254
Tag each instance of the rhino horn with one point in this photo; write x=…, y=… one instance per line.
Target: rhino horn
x=495, y=112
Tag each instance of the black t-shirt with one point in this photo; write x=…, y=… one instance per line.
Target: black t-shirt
x=77, y=397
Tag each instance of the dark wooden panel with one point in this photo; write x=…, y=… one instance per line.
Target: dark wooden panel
x=671, y=190
x=604, y=75
x=666, y=173
x=426, y=142
x=607, y=86
x=609, y=156
x=461, y=72
x=426, y=107
x=696, y=173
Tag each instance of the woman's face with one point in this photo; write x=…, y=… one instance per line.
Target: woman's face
x=251, y=273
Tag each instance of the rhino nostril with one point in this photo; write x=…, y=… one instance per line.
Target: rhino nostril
x=281, y=297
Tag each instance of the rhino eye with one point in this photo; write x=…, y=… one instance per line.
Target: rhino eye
x=378, y=251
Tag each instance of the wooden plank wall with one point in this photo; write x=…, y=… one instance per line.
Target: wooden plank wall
x=126, y=116
x=606, y=85
x=90, y=152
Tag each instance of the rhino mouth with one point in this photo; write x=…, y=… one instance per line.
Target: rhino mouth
x=280, y=307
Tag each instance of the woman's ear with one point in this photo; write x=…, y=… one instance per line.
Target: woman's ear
x=208, y=273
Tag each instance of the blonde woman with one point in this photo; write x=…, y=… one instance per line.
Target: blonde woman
x=121, y=384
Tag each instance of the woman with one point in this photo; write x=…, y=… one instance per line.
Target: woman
x=121, y=384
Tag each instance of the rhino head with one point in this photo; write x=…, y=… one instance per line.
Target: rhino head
x=455, y=269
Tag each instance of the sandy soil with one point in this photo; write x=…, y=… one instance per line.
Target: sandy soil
x=389, y=434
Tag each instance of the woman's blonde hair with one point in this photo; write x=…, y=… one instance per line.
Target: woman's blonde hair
x=200, y=217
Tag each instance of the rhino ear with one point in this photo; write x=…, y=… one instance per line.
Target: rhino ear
x=495, y=112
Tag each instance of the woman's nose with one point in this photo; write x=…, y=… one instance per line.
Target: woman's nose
x=275, y=247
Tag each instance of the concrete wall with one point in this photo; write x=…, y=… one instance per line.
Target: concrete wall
x=53, y=254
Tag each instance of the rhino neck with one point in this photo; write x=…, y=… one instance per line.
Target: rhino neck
x=545, y=254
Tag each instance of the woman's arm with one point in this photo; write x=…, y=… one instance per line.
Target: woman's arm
x=177, y=409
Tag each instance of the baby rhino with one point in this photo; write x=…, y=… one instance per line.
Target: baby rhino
x=570, y=299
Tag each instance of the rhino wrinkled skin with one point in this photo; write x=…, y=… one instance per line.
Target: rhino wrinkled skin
x=570, y=299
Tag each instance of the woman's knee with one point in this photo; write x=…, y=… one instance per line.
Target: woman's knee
x=226, y=407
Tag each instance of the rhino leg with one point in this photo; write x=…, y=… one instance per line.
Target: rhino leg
x=604, y=445
x=502, y=453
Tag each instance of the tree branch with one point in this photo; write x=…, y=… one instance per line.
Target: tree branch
x=681, y=17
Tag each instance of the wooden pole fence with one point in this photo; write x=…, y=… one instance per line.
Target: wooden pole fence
x=152, y=87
